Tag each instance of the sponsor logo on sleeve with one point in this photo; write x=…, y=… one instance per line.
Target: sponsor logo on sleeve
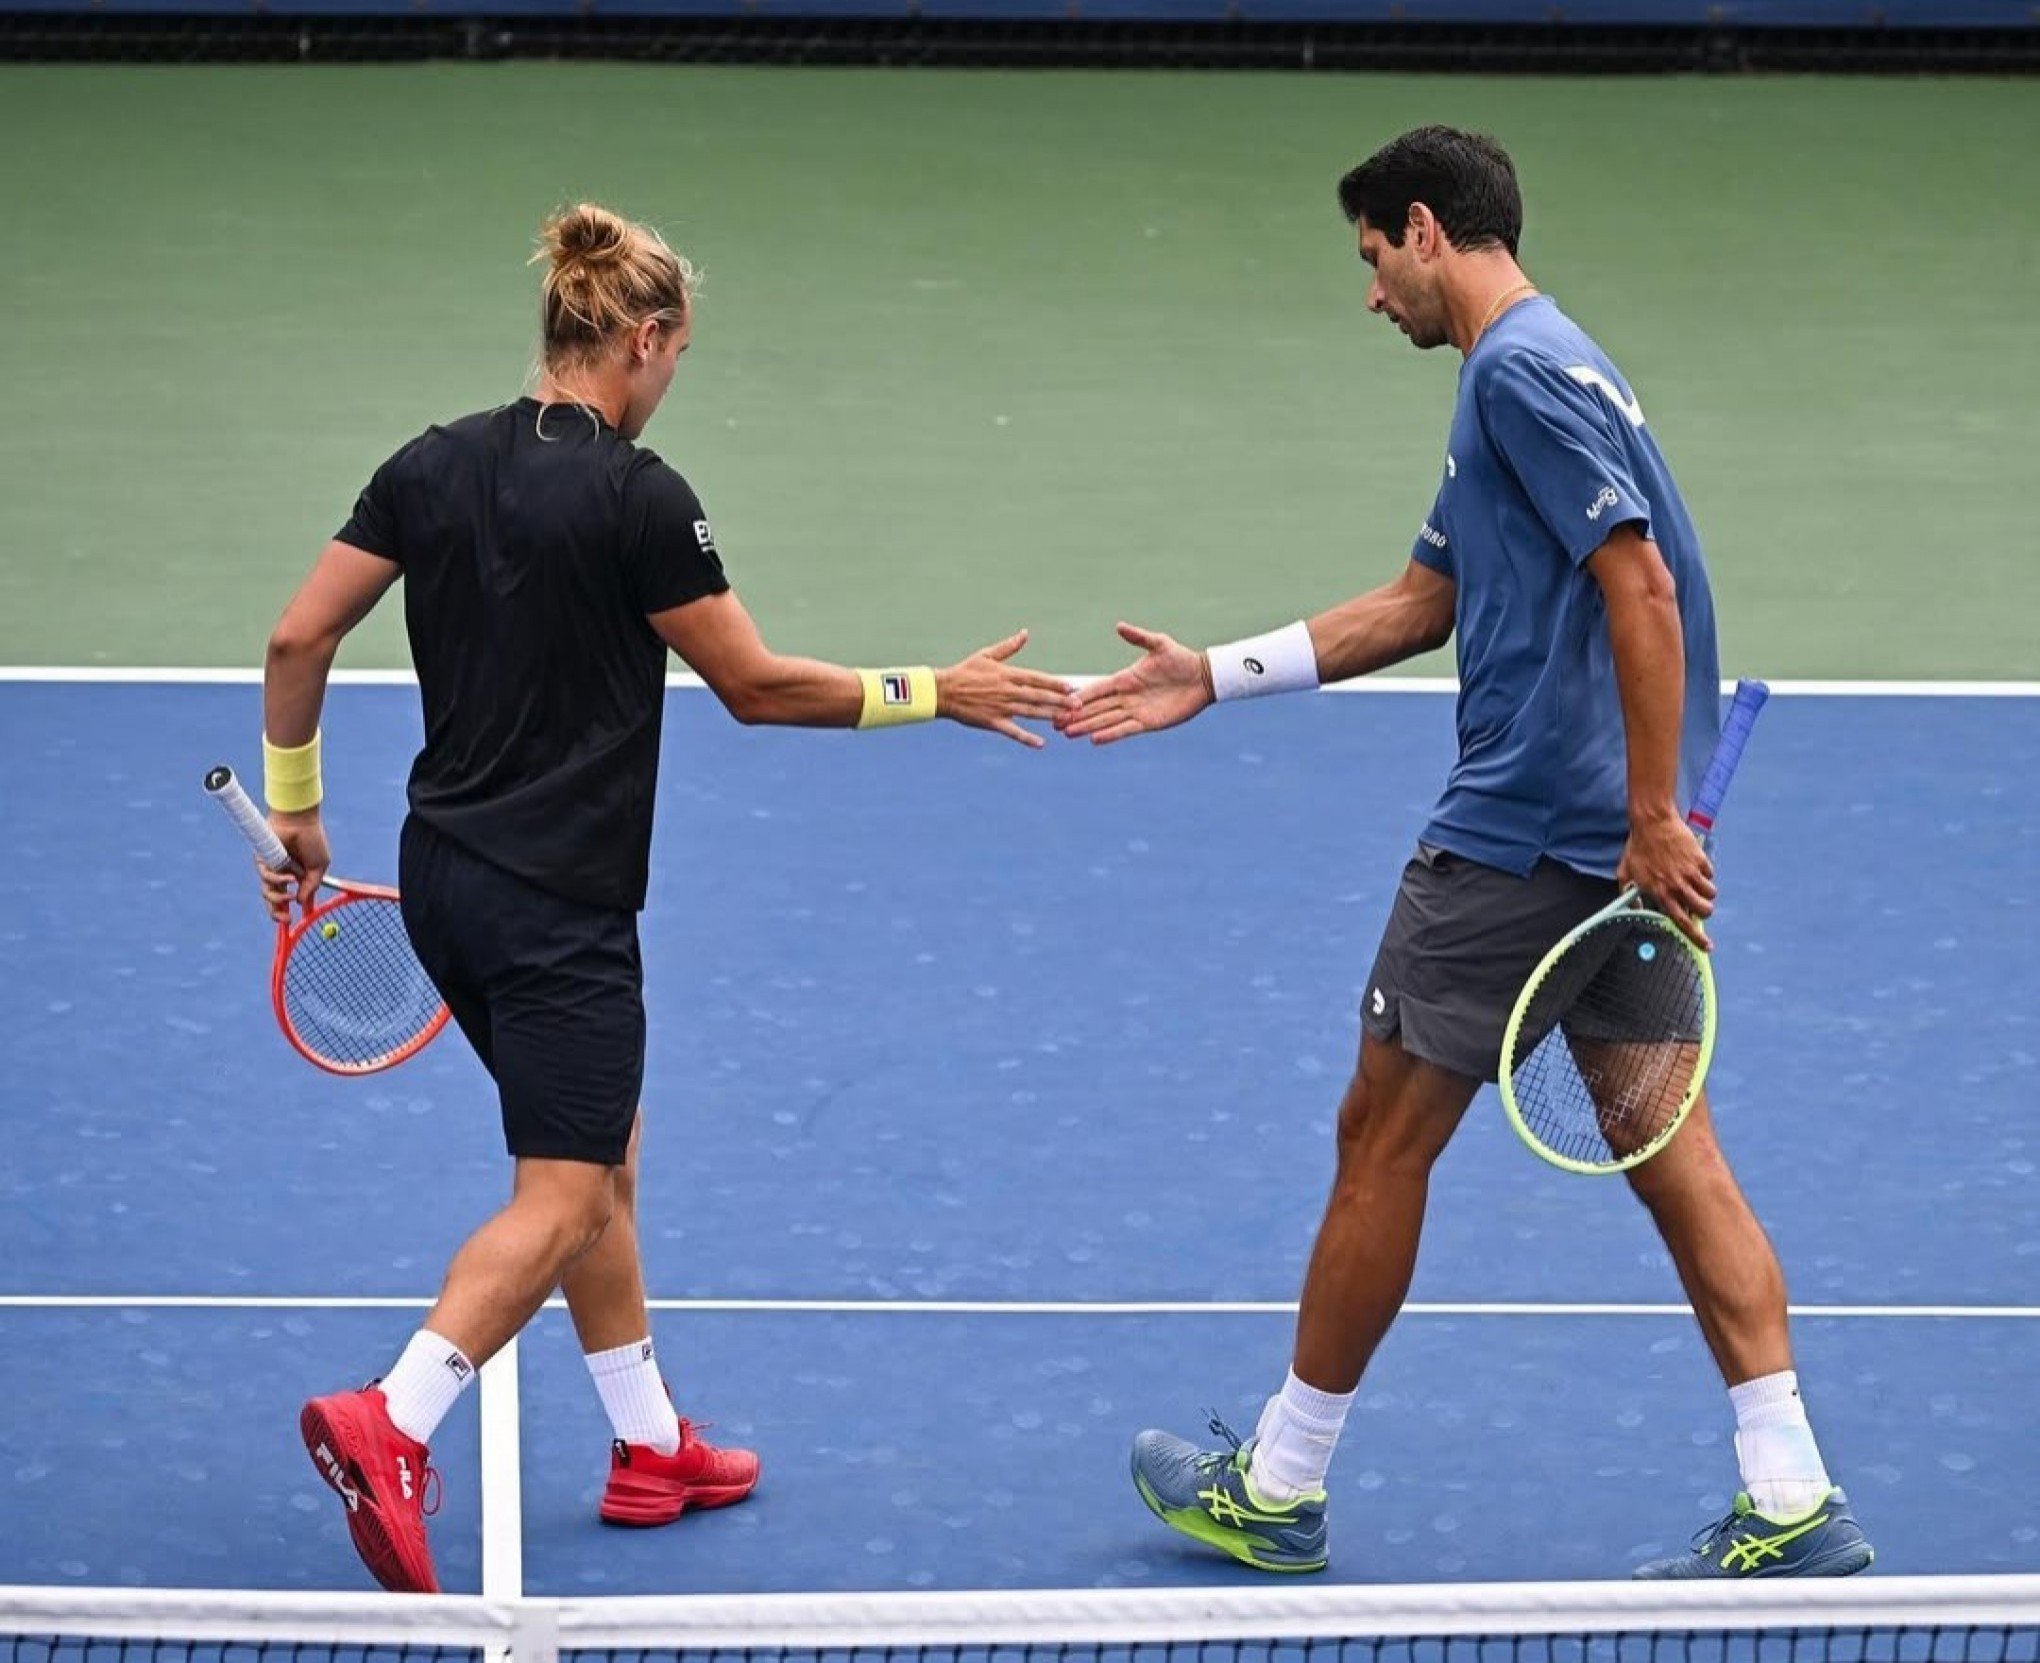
x=704, y=536
x=1608, y=498
x=1432, y=535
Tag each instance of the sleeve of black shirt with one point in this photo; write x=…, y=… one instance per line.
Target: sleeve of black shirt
x=372, y=527
x=669, y=554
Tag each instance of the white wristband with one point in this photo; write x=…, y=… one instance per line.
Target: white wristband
x=1283, y=661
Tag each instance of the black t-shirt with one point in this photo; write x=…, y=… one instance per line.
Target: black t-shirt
x=535, y=541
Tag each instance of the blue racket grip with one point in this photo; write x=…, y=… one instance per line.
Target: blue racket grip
x=1728, y=749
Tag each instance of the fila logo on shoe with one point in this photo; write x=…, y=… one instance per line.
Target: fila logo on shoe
x=336, y=1475
x=404, y=1474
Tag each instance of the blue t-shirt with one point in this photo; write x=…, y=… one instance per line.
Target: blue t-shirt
x=1549, y=455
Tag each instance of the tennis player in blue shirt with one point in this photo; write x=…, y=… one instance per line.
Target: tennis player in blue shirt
x=1561, y=556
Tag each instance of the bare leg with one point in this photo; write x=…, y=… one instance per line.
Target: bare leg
x=605, y=1286
x=1636, y=1087
x=1397, y=1117
x=1725, y=1261
x=506, y=1269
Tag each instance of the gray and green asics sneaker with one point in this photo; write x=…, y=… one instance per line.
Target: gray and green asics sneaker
x=1204, y=1494
x=1826, y=1542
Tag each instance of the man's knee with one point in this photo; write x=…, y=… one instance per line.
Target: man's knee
x=588, y=1216
x=1690, y=1168
x=572, y=1199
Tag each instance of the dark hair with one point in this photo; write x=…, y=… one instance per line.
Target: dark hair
x=1466, y=179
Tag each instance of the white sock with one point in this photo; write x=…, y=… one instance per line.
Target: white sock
x=427, y=1381
x=1781, y=1464
x=1294, y=1441
x=627, y=1379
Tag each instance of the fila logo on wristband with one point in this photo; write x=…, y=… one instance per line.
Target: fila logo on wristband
x=894, y=696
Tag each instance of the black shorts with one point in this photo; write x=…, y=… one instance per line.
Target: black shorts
x=1460, y=944
x=550, y=993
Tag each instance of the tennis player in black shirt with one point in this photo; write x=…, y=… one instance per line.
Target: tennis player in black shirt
x=549, y=563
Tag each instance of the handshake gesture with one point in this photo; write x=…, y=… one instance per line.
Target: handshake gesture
x=1163, y=688
x=1169, y=684
x=1166, y=686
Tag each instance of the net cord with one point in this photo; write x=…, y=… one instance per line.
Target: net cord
x=540, y=1630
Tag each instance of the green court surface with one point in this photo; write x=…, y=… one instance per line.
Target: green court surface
x=983, y=349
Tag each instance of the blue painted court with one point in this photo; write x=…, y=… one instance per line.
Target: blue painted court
x=988, y=1120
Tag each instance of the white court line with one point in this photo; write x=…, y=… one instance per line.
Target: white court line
x=502, y=1480
x=148, y=675
x=968, y=1307
x=151, y=675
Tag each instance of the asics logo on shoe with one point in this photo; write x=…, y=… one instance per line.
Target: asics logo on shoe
x=1221, y=1506
x=336, y=1475
x=1752, y=1551
x=404, y=1475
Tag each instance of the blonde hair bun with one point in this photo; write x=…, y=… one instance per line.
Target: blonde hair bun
x=605, y=275
x=586, y=233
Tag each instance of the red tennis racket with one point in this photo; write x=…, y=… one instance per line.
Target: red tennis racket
x=348, y=992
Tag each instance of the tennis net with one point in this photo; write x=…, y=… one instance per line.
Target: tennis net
x=1985, y=1619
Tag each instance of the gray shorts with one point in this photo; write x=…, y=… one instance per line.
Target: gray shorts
x=1460, y=944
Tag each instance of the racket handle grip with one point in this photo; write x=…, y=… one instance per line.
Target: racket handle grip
x=224, y=789
x=1728, y=750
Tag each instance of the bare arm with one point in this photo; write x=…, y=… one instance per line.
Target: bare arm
x=1411, y=615
x=1663, y=858
x=1173, y=683
x=718, y=638
x=344, y=585
x=342, y=589
x=721, y=643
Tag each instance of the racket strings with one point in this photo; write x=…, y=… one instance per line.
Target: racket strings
x=353, y=990
x=1609, y=1052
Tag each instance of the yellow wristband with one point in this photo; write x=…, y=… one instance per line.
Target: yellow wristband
x=290, y=778
x=895, y=696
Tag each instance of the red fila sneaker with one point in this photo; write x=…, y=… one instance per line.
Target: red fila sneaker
x=384, y=1478
x=646, y=1487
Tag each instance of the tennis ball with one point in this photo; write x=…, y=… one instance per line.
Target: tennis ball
x=329, y=929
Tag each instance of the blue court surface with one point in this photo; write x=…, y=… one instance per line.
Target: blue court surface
x=989, y=1114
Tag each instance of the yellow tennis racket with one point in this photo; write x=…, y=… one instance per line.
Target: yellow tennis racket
x=1608, y=1046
